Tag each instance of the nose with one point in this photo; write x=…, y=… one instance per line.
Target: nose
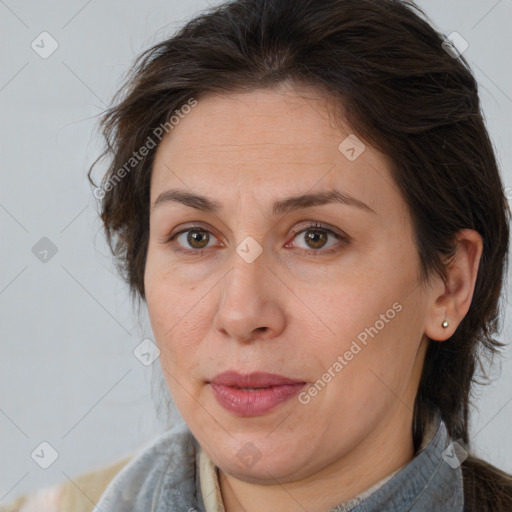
x=251, y=304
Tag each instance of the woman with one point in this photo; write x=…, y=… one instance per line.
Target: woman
x=305, y=196
x=320, y=237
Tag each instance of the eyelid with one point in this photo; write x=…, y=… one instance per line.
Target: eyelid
x=191, y=227
x=312, y=224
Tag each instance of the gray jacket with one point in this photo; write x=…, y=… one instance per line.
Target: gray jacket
x=165, y=478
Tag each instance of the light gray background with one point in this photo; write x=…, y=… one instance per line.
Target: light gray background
x=68, y=375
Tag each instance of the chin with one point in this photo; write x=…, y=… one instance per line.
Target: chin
x=258, y=460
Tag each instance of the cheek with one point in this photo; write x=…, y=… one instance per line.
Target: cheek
x=378, y=358
x=349, y=304
x=372, y=320
x=177, y=316
x=170, y=299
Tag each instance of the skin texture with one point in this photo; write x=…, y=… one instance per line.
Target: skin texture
x=297, y=306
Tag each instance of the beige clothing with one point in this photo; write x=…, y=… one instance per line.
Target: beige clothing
x=81, y=495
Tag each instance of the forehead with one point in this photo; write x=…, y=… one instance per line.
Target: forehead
x=285, y=119
x=287, y=138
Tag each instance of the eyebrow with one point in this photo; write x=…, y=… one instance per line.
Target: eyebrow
x=280, y=207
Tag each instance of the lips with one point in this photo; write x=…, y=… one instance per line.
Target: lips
x=253, y=394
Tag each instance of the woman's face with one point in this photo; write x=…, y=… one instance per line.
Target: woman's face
x=281, y=258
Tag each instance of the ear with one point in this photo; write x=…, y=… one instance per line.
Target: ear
x=451, y=299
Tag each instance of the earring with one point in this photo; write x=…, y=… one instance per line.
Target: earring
x=445, y=324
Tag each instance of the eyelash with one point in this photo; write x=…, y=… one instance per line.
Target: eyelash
x=301, y=229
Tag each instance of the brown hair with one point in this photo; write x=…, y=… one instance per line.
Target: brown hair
x=403, y=92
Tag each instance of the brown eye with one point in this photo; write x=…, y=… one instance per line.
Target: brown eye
x=198, y=239
x=315, y=239
x=191, y=240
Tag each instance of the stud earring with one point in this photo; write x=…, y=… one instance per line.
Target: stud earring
x=445, y=324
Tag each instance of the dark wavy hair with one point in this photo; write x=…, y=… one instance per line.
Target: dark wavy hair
x=401, y=90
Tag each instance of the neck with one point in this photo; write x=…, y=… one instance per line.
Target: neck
x=377, y=456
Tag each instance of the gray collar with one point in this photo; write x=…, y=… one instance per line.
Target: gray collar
x=164, y=477
x=431, y=482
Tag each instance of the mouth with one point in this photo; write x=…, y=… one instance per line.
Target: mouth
x=253, y=394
